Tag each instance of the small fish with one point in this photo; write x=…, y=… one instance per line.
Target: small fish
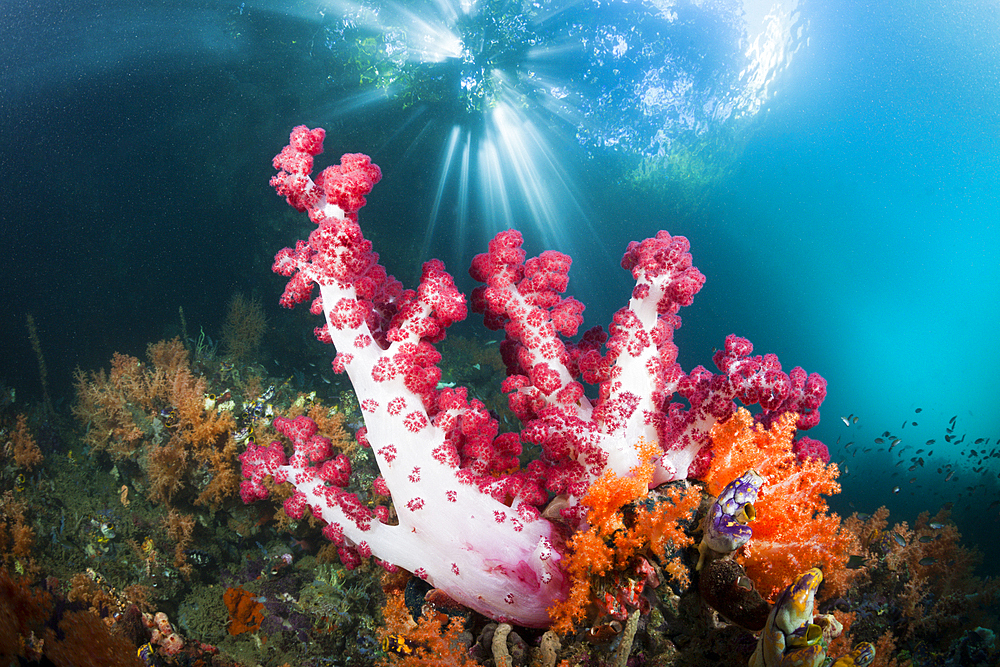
x=880, y=441
x=855, y=420
x=895, y=489
x=918, y=410
x=927, y=561
x=745, y=583
x=936, y=525
x=979, y=441
x=930, y=442
x=913, y=423
x=846, y=421
x=924, y=539
x=899, y=540
x=896, y=442
x=864, y=517
x=855, y=562
x=950, y=473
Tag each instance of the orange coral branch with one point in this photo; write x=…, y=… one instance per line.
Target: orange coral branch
x=421, y=644
x=190, y=450
x=613, y=539
x=794, y=530
x=22, y=445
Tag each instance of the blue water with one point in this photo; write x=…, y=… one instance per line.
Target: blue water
x=846, y=211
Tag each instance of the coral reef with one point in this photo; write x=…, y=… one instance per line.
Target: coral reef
x=624, y=524
x=21, y=447
x=34, y=624
x=631, y=567
x=430, y=641
x=440, y=516
x=159, y=420
x=916, y=593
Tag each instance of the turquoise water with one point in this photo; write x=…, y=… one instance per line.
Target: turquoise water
x=839, y=184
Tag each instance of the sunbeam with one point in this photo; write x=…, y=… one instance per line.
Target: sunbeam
x=504, y=86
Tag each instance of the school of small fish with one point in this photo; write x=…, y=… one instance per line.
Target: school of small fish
x=978, y=465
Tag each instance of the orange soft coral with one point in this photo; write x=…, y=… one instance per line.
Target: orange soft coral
x=739, y=444
x=423, y=643
x=658, y=521
x=794, y=530
x=157, y=414
x=612, y=540
x=933, y=552
x=29, y=629
x=17, y=537
x=936, y=569
x=609, y=493
x=180, y=530
x=22, y=447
